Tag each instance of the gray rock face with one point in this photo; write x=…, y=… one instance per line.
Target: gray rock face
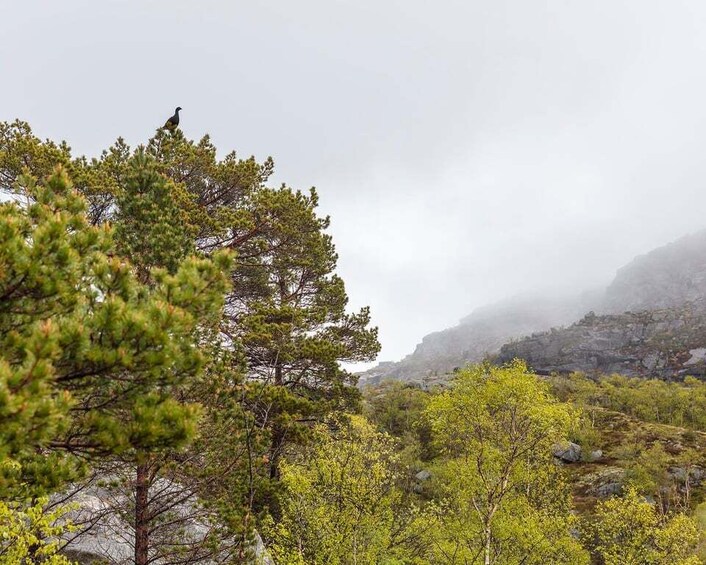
x=698, y=356
x=104, y=535
x=695, y=474
x=660, y=343
x=609, y=489
x=567, y=452
x=420, y=478
x=666, y=277
x=604, y=483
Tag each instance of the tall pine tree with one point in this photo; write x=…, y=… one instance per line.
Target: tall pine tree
x=89, y=353
x=291, y=318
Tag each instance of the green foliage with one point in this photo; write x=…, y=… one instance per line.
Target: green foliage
x=668, y=479
x=293, y=322
x=22, y=152
x=700, y=518
x=502, y=498
x=586, y=433
x=650, y=400
x=630, y=531
x=150, y=228
x=399, y=409
x=87, y=353
x=29, y=534
x=341, y=504
x=647, y=471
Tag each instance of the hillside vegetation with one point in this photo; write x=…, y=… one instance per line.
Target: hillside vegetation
x=634, y=450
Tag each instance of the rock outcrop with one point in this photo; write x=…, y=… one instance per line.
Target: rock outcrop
x=603, y=483
x=668, y=343
x=101, y=507
x=653, y=322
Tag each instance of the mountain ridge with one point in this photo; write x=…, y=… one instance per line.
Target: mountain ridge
x=669, y=280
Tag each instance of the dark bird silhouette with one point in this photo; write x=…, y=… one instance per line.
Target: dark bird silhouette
x=172, y=123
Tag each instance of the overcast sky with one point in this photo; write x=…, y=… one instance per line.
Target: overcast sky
x=465, y=150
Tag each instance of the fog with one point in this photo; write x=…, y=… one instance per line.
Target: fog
x=466, y=151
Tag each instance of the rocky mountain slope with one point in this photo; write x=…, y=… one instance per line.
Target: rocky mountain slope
x=667, y=343
x=666, y=277
x=664, y=292
x=482, y=333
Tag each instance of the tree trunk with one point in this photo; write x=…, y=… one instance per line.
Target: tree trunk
x=277, y=432
x=142, y=522
x=487, y=546
x=277, y=438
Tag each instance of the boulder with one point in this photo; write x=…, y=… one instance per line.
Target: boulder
x=696, y=474
x=567, y=452
x=595, y=455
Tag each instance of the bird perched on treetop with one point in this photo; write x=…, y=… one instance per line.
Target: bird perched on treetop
x=172, y=123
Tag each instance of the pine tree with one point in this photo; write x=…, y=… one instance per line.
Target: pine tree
x=21, y=152
x=291, y=317
x=154, y=233
x=150, y=228
x=287, y=308
x=88, y=353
